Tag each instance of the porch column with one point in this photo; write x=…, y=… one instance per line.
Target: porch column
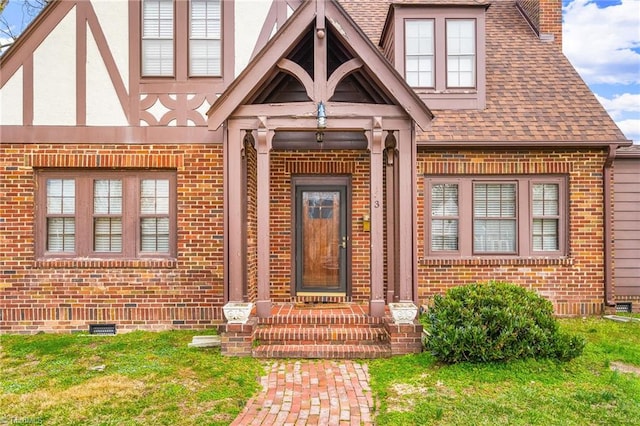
x=265, y=138
x=233, y=182
x=376, y=301
x=391, y=209
x=406, y=217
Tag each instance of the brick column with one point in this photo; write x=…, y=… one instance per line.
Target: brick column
x=404, y=338
x=237, y=339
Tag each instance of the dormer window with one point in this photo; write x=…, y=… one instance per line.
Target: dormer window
x=461, y=53
x=441, y=52
x=164, y=37
x=420, y=52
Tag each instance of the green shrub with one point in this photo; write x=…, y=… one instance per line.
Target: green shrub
x=496, y=321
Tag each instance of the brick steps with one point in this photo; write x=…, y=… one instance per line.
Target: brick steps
x=326, y=332
x=339, y=331
x=334, y=334
x=326, y=351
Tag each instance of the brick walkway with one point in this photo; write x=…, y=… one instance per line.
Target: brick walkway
x=311, y=392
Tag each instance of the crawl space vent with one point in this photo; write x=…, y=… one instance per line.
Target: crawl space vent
x=102, y=329
x=623, y=307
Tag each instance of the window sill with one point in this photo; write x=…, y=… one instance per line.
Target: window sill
x=85, y=263
x=496, y=261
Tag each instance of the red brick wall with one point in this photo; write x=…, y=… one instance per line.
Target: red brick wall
x=152, y=294
x=575, y=285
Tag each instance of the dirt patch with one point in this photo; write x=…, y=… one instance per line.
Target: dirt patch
x=403, y=396
x=625, y=368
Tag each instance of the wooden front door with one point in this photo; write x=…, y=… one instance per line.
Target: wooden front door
x=321, y=239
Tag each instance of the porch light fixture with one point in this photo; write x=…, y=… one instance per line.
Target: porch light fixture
x=322, y=122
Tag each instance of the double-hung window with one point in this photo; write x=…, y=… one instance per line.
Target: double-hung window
x=157, y=38
x=113, y=214
x=523, y=216
x=177, y=32
x=440, y=53
x=205, y=41
x=461, y=52
x=419, y=61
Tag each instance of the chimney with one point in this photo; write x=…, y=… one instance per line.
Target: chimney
x=545, y=17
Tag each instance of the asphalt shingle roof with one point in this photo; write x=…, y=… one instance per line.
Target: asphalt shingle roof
x=533, y=92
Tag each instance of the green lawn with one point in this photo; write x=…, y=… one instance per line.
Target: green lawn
x=154, y=378
x=416, y=390
x=148, y=378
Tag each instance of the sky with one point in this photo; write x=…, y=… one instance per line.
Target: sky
x=601, y=38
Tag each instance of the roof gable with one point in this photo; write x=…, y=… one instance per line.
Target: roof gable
x=298, y=60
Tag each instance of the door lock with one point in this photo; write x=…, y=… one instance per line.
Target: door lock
x=343, y=244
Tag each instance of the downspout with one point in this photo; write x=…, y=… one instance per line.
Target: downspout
x=607, y=174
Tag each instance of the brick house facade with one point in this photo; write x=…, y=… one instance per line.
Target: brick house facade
x=230, y=149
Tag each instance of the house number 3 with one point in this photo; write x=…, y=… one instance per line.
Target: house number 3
x=376, y=204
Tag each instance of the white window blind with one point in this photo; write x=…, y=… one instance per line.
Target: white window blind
x=461, y=53
x=154, y=215
x=107, y=211
x=444, y=217
x=494, y=211
x=419, y=47
x=546, y=219
x=61, y=208
x=157, y=37
x=205, y=34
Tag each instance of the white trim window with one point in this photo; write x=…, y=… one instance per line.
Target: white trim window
x=461, y=53
x=419, y=52
x=205, y=41
x=157, y=38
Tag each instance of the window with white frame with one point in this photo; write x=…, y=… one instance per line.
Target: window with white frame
x=419, y=46
x=157, y=38
x=461, y=52
x=118, y=214
x=522, y=216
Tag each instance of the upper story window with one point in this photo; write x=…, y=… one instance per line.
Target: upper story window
x=115, y=214
x=420, y=52
x=425, y=49
x=204, y=41
x=157, y=37
x=461, y=53
x=441, y=51
x=163, y=35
